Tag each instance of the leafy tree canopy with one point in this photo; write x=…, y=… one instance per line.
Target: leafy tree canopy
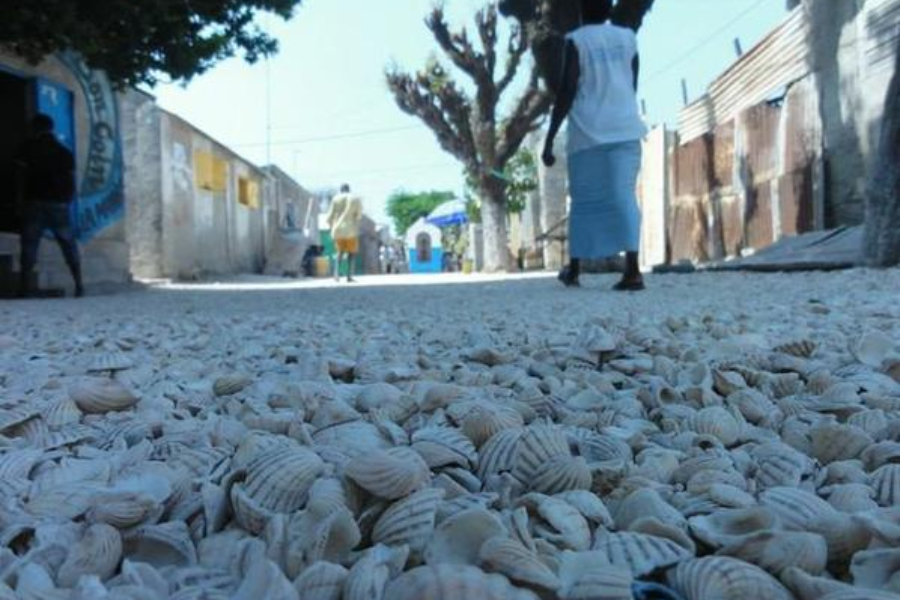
x=138, y=41
x=405, y=208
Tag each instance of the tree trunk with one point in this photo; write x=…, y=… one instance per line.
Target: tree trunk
x=493, y=221
x=882, y=231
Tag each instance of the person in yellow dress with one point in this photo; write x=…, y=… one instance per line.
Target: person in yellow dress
x=343, y=219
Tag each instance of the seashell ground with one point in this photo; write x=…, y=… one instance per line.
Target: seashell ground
x=717, y=436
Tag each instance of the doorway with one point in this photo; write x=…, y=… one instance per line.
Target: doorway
x=14, y=113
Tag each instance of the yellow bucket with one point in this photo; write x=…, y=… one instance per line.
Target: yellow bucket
x=321, y=266
x=467, y=267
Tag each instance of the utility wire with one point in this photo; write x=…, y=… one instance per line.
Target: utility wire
x=329, y=138
x=706, y=40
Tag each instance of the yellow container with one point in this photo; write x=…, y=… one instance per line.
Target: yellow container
x=467, y=267
x=321, y=266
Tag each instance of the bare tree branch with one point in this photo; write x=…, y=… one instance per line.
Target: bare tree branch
x=517, y=47
x=534, y=103
x=456, y=46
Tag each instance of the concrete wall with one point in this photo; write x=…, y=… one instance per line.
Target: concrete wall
x=98, y=153
x=653, y=196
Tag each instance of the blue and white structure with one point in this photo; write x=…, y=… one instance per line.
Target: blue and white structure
x=423, y=241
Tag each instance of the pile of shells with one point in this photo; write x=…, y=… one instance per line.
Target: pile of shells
x=693, y=459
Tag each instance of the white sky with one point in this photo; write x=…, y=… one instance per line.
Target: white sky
x=328, y=82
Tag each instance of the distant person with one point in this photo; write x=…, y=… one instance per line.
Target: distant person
x=344, y=218
x=598, y=95
x=46, y=189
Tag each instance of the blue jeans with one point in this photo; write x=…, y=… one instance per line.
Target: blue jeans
x=39, y=217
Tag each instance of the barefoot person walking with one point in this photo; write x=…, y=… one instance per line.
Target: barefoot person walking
x=598, y=95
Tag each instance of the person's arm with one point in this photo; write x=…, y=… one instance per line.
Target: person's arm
x=636, y=68
x=20, y=168
x=565, y=97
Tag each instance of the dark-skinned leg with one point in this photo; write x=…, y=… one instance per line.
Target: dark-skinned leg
x=350, y=257
x=570, y=273
x=632, y=280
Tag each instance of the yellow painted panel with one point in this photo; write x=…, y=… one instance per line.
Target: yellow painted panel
x=203, y=170
x=219, y=175
x=248, y=192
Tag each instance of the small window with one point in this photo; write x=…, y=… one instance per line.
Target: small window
x=423, y=248
x=248, y=192
x=210, y=172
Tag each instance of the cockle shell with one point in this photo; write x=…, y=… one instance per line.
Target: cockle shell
x=61, y=413
x=872, y=348
x=321, y=581
x=886, y=484
x=444, y=446
x=538, y=445
x=498, y=454
x=453, y=582
x=731, y=526
x=638, y=553
x=458, y=540
x=563, y=524
x=796, y=509
x=97, y=553
x=878, y=569
x=122, y=510
x=390, y=474
x=561, y=474
x=278, y=481
x=776, y=551
x=409, y=521
x=834, y=442
x=168, y=544
x=780, y=465
x=646, y=503
x=850, y=497
x=482, y=423
x=589, y=505
x=228, y=385
x=509, y=557
x=586, y=576
x=369, y=577
x=110, y=362
x=802, y=348
x=724, y=578
x=96, y=395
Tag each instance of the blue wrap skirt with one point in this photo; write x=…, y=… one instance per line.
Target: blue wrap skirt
x=604, y=218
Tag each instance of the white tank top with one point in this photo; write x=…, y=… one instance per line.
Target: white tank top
x=605, y=110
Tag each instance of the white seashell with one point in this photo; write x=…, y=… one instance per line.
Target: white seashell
x=122, y=510
x=832, y=442
x=586, y=576
x=880, y=454
x=872, y=348
x=850, y=497
x=803, y=348
x=596, y=339
x=780, y=465
x=873, y=422
x=95, y=395
x=886, y=484
x=725, y=578
x=409, y=521
x=498, y=454
x=390, y=474
x=444, y=446
x=321, y=581
x=877, y=569
x=646, y=503
x=228, y=385
x=796, y=509
x=565, y=527
x=110, y=362
x=638, y=553
x=318, y=535
x=728, y=382
x=168, y=544
x=265, y=580
x=726, y=527
x=728, y=496
x=482, y=423
x=368, y=578
x=776, y=551
x=62, y=413
x=538, y=445
x=561, y=474
x=509, y=557
x=97, y=553
x=458, y=540
x=589, y=505
x=278, y=481
x=453, y=582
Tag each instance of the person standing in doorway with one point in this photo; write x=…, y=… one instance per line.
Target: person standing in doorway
x=597, y=94
x=344, y=218
x=46, y=185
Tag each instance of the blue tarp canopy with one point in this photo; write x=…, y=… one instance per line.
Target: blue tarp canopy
x=449, y=213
